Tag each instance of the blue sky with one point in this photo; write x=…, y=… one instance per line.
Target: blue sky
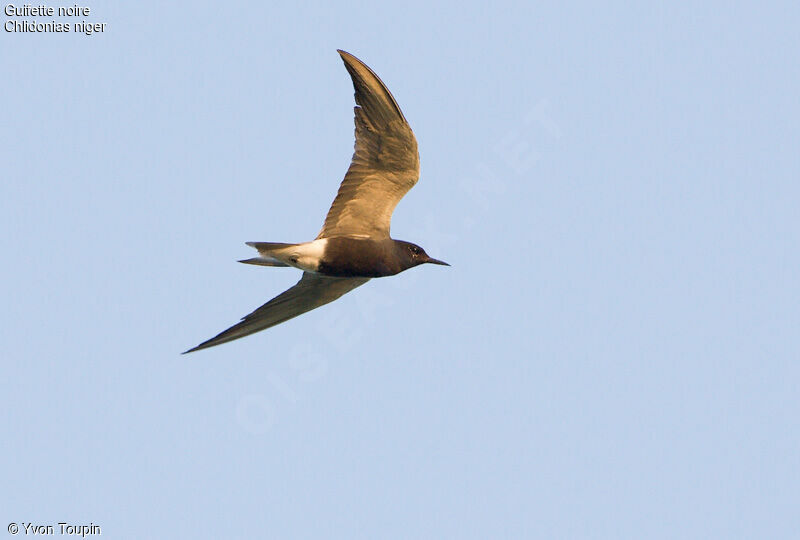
x=613, y=353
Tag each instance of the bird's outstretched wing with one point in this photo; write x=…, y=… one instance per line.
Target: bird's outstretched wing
x=312, y=291
x=385, y=163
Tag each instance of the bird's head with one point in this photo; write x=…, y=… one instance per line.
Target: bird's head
x=415, y=255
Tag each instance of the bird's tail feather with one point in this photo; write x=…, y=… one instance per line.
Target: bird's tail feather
x=268, y=252
x=263, y=261
x=266, y=247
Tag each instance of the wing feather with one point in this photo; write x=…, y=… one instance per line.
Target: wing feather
x=312, y=291
x=385, y=164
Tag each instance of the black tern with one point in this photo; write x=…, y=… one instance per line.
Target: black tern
x=354, y=244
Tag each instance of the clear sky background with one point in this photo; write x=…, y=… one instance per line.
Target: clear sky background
x=614, y=352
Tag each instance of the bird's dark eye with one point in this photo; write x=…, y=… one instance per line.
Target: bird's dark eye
x=415, y=250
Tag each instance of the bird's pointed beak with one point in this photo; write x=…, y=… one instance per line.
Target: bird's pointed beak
x=436, y=261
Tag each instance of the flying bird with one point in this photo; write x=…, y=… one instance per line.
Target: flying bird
x=354, y=244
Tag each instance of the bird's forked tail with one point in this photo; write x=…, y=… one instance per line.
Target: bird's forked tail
x=269, y=253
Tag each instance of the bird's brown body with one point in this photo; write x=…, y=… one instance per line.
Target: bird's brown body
x=357, y=257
